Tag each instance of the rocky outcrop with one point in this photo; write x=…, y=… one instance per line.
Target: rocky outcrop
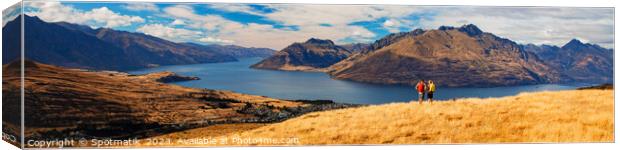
x=312, y=55
x=167, y=77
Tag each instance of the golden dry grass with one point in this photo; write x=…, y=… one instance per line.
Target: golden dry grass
x=214, y=131
x=541, y=117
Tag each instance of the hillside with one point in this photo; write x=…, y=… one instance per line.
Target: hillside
x=312, y=55
x=541, y=117
x=61, y=102
x=455, y=57
x=154, y=51
x=79, y=46
x=54, y=44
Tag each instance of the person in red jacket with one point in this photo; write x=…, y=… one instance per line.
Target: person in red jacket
x=420, y=87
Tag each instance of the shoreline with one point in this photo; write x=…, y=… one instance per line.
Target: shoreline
x=356, y=92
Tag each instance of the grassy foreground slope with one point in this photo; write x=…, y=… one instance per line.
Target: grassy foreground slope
x=563, y=116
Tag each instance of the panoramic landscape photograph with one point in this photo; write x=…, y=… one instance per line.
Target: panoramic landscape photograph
x=140, y=74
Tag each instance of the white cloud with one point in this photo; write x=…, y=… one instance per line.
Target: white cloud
x=214, y=40
x=179, y=34
x=105, y=16
x=56, y=12
x=394, y=25
x=538, y=25
x=10, y=13
x=389, y=23
x=177, y=22
x=141, y=6
x=230, y=7
x=308, y=14
x=169, y=33
x=206, y=22
x=262, y=35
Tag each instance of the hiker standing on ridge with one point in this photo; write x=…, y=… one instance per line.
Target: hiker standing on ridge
x=431, y=90
x=420, y=87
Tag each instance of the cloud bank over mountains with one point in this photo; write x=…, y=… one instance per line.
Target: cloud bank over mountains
x=277, y=25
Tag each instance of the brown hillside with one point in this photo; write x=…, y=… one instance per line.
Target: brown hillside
x=63, y=102
x=450, y=56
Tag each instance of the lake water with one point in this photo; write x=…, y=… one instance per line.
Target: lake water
x=238, y=77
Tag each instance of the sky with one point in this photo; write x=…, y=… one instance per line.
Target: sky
x=278, y=25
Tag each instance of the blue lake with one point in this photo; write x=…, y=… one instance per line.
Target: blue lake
x=238, y=77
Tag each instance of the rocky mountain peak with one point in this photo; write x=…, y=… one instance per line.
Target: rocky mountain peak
x=319, y=41
x=470, y=29
x=443, y=28
x=574, y=43
x=28, y=17
x=417, y=31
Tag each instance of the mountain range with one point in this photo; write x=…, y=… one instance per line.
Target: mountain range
x=236, y=51
x=453, y=57
x=78, y=46
x=579, y=62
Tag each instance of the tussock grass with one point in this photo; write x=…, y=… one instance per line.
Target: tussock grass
x=541, y=117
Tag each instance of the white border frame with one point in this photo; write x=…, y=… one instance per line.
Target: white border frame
x=557, y=3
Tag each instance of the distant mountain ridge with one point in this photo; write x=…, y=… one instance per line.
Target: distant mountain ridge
x=357, y=47
x=457, y=57
x=80, y=46
x=237, y=51
x=577, y=61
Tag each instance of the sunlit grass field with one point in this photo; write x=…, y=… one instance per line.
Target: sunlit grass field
x=539, y=117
